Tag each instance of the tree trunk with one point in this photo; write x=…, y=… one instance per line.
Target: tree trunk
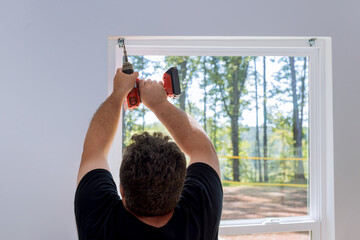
x=235, y=145
x=299, y=167
x=214, y=131
x=235, y=120
x=302, y=96
x=257, y=141
x=266, y=175
x=235, y=77
x=182, y=98
x=216, y=80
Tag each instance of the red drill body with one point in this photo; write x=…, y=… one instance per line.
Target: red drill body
x=171, y=86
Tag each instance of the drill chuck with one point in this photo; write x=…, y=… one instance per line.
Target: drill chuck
x=127, y=68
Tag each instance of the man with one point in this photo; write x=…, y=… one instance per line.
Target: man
x=161, y=199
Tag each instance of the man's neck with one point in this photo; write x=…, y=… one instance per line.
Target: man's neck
x=157, y=221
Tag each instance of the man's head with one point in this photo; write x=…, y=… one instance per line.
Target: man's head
x=152, y=174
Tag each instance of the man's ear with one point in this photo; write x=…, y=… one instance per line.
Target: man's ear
x=122, y=196
x=121, y=192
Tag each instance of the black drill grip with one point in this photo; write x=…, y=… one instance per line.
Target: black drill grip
x=127, y=68
x=128, y=71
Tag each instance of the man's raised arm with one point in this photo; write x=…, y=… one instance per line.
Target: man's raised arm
x=103, y=125
x=187, y=133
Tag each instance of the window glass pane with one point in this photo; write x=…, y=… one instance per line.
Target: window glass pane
x=255, y=110
x=270, y=236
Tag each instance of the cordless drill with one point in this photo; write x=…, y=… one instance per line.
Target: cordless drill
x=170, y=81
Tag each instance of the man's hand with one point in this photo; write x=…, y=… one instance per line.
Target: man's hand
x=123, y=83
x=152, y=93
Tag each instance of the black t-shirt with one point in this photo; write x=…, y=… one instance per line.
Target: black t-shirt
x=100, y=213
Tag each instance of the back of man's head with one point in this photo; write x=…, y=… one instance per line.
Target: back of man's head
x=152, y=174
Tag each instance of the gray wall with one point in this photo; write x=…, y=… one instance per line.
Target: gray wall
x=53, y=76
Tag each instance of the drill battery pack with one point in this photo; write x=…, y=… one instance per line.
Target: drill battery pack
x=171, y=85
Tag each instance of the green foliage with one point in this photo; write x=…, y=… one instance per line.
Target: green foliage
x=229, y=93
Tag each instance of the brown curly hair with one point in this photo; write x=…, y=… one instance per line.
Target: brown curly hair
x=152, y=174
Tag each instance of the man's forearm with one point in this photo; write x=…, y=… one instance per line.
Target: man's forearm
x=103, y=126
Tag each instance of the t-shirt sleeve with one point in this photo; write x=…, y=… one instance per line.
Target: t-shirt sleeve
x=95, y=197
x=203, y=194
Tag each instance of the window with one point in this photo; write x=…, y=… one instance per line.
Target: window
x=266, y=104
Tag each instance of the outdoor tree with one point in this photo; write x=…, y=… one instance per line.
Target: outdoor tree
x=293, y=76
x=204, y=86
x=257, y=138
x=232, y=86
x=281, y=142
x=297, y=120
x=265, y=155
x=214, y=78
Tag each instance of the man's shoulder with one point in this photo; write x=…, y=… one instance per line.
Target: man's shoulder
x=202, y=190
x=201, y=170
x=200, y=204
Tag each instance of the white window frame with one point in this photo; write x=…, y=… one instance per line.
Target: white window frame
x=321, y=218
